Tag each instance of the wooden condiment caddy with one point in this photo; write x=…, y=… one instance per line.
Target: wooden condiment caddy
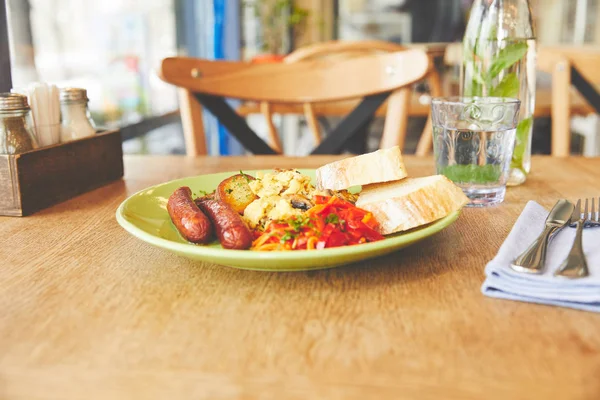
x=40, y=178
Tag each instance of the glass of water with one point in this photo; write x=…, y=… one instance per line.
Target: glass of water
x=473, y=142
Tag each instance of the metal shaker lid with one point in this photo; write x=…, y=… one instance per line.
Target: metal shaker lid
x=13, y=101
x=71, y=95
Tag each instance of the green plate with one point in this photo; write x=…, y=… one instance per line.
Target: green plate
x=145, y=216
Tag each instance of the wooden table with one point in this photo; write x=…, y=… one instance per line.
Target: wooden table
x=88, y=311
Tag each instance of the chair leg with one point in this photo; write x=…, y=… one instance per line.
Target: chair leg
x=426, y=141
x=561, y=134
x=396, y=119
x=357, y=144
x=336, y=141
x=274, y=141
x=591, y=143
x=193, y=124
x=234, y=123
x=435, y=86
x=311, y=121
x=596, y=148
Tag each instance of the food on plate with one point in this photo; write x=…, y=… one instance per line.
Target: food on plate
x=282, y=210
x=231, y=230
x=270, y=208
x=208, y=196
x=281, y=194
x=298, y=201
x=345, y=195
x=193, y=225
x=384, y=165
x=412, y=202
x=281, y=182
x=236, y=192
x=332, y=222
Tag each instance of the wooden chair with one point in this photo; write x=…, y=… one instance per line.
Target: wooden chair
x=341, y=50
x=373, y=78
x=569, y=66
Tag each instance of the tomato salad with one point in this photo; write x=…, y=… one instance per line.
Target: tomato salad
x=331, y=222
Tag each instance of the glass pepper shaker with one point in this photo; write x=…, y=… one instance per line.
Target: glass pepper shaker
x=16, y=124
x=76, y=121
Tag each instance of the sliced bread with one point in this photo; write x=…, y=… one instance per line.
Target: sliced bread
x=402, y=205
x=380, y=166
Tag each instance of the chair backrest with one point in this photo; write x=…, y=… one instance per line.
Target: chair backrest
x=342, y=49
x=373, y=78
x=394, y=132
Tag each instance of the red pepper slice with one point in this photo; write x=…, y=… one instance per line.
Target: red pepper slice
x=320, y=199
x=337, y=239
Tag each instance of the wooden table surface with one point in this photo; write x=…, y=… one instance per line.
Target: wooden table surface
x=88, y=311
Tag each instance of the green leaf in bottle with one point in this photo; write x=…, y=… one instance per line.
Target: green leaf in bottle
x=508, y=86
x=506, y=58
x=474, y=86
x=473, y=89
x=521, y=140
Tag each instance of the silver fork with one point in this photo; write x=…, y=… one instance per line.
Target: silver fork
x=575, y=265
x=594, y=218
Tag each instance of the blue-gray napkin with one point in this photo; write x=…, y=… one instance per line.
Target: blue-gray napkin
x=502, y=282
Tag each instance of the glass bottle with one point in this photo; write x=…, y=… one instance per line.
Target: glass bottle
x=16, y=124
x=499, y=59
x=75, y=119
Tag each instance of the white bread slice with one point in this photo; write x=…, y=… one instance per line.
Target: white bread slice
x=383, y=165
x=406, y=204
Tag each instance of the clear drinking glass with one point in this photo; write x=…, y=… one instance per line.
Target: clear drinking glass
x=473, y=142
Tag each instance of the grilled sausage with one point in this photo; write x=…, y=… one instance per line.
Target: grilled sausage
x=210, y=196
x=193, y=225
x=232, y=231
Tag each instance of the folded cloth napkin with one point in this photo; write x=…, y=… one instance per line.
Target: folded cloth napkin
x=502, y=282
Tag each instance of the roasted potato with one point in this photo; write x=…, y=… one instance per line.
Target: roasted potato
x=236, y=192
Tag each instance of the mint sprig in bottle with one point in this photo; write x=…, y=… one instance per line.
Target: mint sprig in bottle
x=499, y=60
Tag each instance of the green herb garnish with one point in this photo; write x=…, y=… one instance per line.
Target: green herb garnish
x=245, y=176
x=287, y=236
x=298, y=222
x=228, y=191
x=332, y=219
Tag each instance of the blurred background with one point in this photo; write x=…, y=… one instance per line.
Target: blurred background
x=112, y=48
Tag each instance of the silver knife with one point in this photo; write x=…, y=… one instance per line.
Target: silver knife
x=532, y=260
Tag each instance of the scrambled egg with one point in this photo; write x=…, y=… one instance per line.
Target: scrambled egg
x=268, y=208
x=271, y=188
x=281, y=182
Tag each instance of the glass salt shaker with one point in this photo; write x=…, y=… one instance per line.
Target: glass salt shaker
x=16, y=124
x=76, y=121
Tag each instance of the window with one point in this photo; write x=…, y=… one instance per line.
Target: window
x=109, y=47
